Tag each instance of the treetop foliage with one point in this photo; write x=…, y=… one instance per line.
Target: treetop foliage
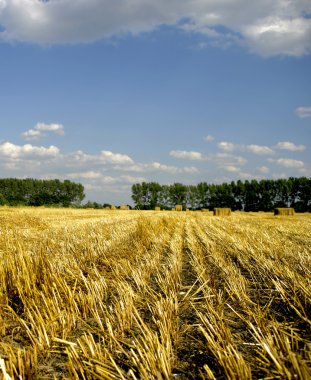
x=39, y=192
x=264, y=195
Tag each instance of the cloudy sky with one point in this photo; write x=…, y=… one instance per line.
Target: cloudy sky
x=113, y=92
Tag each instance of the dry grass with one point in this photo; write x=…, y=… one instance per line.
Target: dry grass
x=95, y=294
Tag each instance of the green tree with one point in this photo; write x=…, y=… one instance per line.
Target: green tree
x=203, y=194
x=178, y=194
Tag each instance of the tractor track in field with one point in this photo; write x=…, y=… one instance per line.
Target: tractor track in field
x=218, y=282
x=192, y=353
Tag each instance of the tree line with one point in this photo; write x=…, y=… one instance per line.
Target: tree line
x=38, y=192
x=263, y=195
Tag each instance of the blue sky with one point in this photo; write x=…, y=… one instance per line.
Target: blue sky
x=112, y=93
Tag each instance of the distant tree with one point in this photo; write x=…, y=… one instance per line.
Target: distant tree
x=238, y=190
x=35, y=192
x=138, y=196
x=192, y=199
x=203, y=195
x=3, y=201
x=249, y=195
x=304, y=195
x=154, y=195
x=164, y=197
x=178, y=194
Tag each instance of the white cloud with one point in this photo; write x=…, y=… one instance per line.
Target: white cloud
x=106, y=156
x=249, y=176
x=96, y=180
x=187, y=155
x=223, y=159
x=32, y=134
x=258, y=149
x=288, y=163
x=286, y=145
x=265, y=27
x=252, y=148
x=131, y=179
x=56, y=128
x=231, y=168
x=190, y=170
x=227, y=146
x=278, y=35
x=220, y=159
x=78, y=158
x=85, y=175
x=303, y=112
x=263, y=169
x=209, y=138
x=37, y=132
x=158, y=167
x=16, y=151
x=161, y=167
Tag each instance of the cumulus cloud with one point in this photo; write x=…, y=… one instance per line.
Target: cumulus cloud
x=37, y=132
x=161, y=167
x=106, y=156
x=252, y=148
x=94, y=183
x=224, y=160
x=108, y=160
x=288, y=163
x=156, y=167
x=265, y=27
x=227, y=146
x=32, y=134
x=105, y=160
x=95, y=180
x=57, y=128
x=279, y=35
x=85, y=175
x=248, y=176
x=131, y=179
x=303, y=112
x=209, y=138
x=187, y=155
x=263, y=169
x=190, y=170
x=286, y=145
x=258, y=149
x=13, y=151
x=231, y=168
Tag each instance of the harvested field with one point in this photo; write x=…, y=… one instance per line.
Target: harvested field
x=101, y=294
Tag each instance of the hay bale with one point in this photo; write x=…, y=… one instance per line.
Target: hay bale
x=222, y=211
x=285, y=211
x=124, y=207
x=173, y=209
x=113, y=207
x=178, y=208
x=157, y=208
